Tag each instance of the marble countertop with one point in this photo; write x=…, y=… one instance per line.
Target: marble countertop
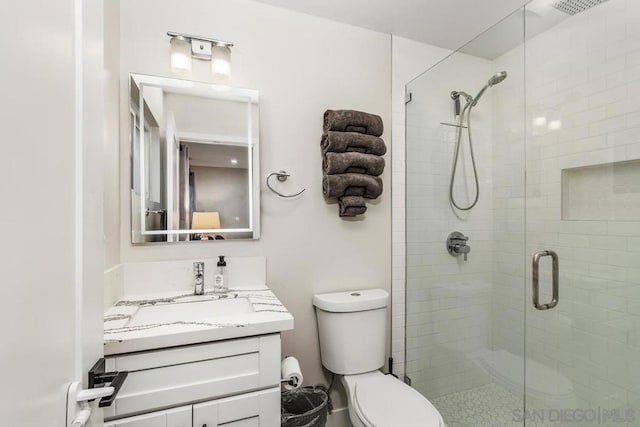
x=269, y=316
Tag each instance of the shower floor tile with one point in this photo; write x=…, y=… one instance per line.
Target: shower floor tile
x=490, y=405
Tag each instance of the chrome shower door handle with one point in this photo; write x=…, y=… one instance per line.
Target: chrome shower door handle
x=536, y=280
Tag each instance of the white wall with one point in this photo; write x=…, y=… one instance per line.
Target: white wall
x=111, y=134
x=301, y=65
x=223, y=190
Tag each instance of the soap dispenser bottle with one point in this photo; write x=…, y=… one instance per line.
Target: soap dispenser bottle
x=220, y=285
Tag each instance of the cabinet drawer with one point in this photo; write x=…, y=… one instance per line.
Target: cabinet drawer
x=248, y=422
x=178, y=417
x=258, y=409
x=177, y=376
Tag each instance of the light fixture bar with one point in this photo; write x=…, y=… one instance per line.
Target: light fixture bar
x=214, y=42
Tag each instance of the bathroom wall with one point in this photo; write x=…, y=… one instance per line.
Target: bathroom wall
x=223, y=187
x=583, y=74
x=448, y=310
x=301, y=65
x=111, y=134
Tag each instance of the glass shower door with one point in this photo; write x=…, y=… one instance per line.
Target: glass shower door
x=464, y=341
x=583, y=206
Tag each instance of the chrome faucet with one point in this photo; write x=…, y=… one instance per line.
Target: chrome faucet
x=457, y=245
x=198, y=278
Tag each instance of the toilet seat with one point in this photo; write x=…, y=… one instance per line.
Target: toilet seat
x=384, y=401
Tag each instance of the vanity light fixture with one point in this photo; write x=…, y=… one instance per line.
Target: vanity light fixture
x=180, y=56
x=184, y=47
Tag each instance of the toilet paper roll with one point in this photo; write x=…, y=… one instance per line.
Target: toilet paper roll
x=291, y=373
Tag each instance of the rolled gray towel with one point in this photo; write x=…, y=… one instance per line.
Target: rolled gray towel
x=351, y=184
x=341, y=142
x=335, y=163
x=353, y=121
x=351, y=206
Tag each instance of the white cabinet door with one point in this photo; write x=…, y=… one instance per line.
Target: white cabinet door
x=178, y=417
x=259, y=409
x=182, y=375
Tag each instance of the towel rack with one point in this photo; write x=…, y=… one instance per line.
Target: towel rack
x=282, y=177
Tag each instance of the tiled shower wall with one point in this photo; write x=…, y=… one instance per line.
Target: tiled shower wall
x=584, y=75
x=448, y=309
x=409, y=59
x=508, y=196
x=583, y=78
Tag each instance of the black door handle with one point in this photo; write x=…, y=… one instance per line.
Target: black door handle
x=99, y=378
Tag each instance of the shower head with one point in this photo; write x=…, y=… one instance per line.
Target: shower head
x=492, y=82
x=497, y=78
x=572, y=7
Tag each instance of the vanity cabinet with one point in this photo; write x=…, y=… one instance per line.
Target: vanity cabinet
x=232, y=382
x=257, y=409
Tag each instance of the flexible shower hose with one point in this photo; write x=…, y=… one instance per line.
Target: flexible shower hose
x=467, y=109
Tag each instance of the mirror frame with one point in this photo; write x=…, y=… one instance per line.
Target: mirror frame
x=207, y=90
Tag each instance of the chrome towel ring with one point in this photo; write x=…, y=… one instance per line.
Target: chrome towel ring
x=282, y=177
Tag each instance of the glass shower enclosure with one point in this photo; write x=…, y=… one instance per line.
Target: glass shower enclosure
x=525, y=308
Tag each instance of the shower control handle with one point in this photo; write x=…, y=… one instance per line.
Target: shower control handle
x=536, y=280
x=457, y=244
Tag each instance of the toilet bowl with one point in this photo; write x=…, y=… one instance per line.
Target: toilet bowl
x=379, y=400
x=352, y=332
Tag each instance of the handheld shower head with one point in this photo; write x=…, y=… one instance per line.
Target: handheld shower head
x=497, y=78
x=494, y=80
x=455, y=95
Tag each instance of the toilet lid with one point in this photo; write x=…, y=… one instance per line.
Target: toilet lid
x=385, y=401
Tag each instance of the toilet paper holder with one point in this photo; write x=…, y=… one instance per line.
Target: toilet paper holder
x=291, y=381
x=290, y=373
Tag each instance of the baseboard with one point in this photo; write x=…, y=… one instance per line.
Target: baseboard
x=339, y=418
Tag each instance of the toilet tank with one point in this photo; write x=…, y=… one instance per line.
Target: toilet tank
x=352, y=327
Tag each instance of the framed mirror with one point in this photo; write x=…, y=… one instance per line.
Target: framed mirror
x=194, y=161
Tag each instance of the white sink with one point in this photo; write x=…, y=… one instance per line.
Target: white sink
x=210, y=310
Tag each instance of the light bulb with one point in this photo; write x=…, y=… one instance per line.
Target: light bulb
x=220, y=62
x=555, y=125
x=180, y=56
x=540, y=121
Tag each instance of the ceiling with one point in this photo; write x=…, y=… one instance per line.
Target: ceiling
x=427, y=21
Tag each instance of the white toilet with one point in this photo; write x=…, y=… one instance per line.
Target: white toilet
x=352, y=330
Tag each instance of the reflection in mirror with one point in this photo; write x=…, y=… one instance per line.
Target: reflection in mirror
x=194, y=161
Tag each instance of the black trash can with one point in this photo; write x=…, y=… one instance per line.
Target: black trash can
x=304, y=407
